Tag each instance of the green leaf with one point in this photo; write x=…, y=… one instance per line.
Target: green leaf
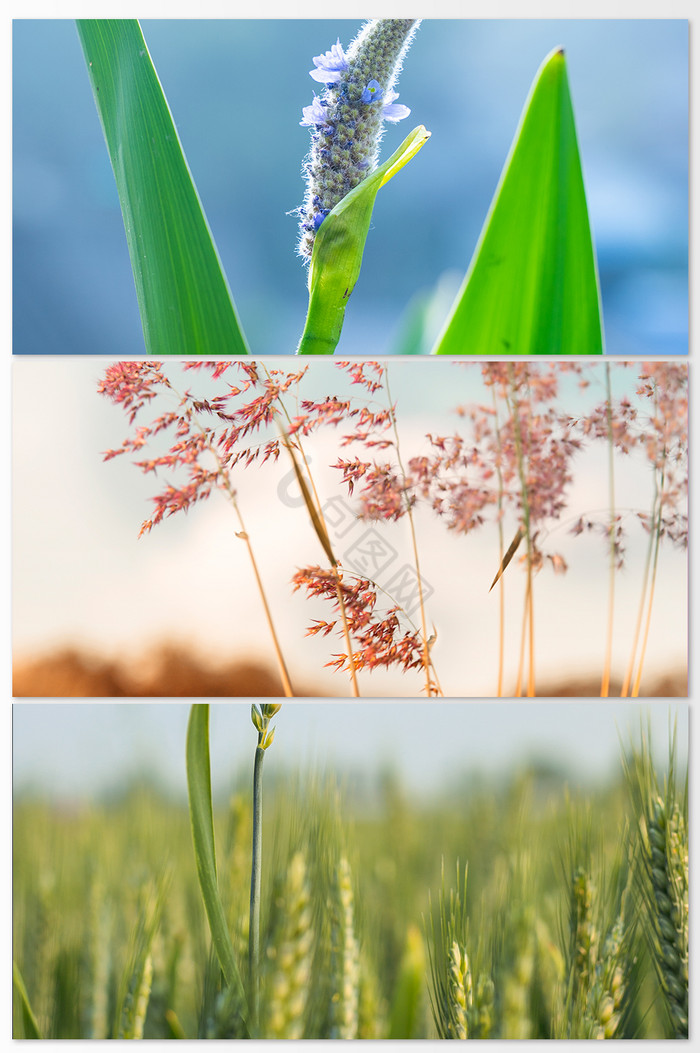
x=202, y=820
x=31, y=1028
x=185, y=303
x=532, y=285
x=337, y=253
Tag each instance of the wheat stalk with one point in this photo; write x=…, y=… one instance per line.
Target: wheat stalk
x=660, y=854
x=345, y=958
x=291, y=956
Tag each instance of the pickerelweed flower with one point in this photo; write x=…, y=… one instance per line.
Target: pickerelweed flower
x=346, y=122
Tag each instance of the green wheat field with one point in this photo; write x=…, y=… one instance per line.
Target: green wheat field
x=512, y=908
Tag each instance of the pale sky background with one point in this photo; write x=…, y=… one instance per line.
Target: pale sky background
x=71, y=750
x=82, y=577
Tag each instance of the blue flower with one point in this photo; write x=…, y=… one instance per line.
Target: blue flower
x=372, y=92
x=392, y=111
x=315, y=114
x=330, y=65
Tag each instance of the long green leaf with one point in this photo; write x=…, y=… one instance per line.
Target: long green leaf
x=202, y=820
x=31, y=1028
x=532, y=285
x=337, y=253
x=185, y=303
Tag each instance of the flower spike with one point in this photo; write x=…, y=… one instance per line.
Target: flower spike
x=346, y=122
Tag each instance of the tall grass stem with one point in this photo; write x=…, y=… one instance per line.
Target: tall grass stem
x=256, y=889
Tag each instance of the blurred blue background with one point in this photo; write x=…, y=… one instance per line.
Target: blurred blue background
x=236, y=89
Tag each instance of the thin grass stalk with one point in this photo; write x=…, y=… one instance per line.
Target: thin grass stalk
x=316, y=512
x=521, y=655
x=605, y=682
x=529, y=607
x=624, y=690
x=319, y=525
x=531, y=636
x=261, y=719
x=652, y=588
x=346, y=633
x=243, y=535
x=650, y=560
x=501, y=546
x=256, y=891
x=427, y=662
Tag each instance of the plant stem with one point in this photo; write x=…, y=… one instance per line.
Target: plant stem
x=346, y=633
x=529, y=614
x=605, y=685
x=313, y=507
x=501, y=549
x=261, y=716
x=652, y=587
x=316, y=512
x=243, y=535
x=427, y=662
x=651, y=561
x=255, y=889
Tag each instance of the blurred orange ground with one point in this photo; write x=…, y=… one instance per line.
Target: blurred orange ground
x=172, y=673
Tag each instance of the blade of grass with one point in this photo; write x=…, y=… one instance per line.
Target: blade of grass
x=202, y=820
x=31, y=1028
x=318, y=523
x=512, y=549
x=532, y=285
x=185, y=303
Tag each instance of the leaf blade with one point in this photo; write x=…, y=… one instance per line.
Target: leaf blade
x=31, y=1028
x=532, y=285
x=338, y=249
x=202, y=823
x=185, y=303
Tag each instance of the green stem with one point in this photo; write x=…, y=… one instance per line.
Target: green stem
x=501, y=545
x=528, y=613
x=255, y=887
x=605, y=685
x=427, y=661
